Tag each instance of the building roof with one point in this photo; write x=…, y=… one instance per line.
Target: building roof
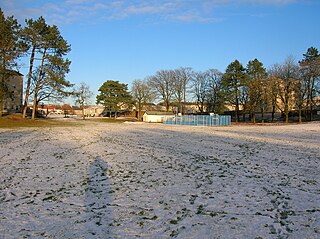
x=158, y=113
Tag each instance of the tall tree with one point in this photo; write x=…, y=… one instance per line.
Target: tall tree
x=142, y=94
x=233, y=81
x=257, y=84
x=163, y=83
x=182, y=77
x=34, y=35
x=82, y=95
x=310, y=69
x=200, y=87
x=287, y=74
x=300, y=91
x=113, y=96
x=11, y=48
x=273, y=82
x=53, y=66
x=215, y=96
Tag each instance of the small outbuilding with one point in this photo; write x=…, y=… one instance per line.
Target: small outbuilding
x=157, y=116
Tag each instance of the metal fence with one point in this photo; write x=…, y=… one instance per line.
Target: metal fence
x=199, y=120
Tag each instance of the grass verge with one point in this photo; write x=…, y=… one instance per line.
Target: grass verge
x=16, y=121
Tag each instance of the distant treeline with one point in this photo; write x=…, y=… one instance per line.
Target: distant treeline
x=285, y=87
x=251, y=89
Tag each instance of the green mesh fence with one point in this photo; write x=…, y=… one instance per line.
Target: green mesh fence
x=199, y=120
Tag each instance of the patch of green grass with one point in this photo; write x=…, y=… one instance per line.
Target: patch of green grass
x=173, y=221
x=107, y=120
x=16, y=121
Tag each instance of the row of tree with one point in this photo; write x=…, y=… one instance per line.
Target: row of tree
x=287, y=86
x=253, y=89
x=46, y=50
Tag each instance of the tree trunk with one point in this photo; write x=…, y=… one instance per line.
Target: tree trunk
x=1, y=106
x=184, y=97
x=237, y=113
x=262, y=115
x=311, y=98
x=236, y=116
x=34, y=109
x=300, y=115
x=26, y=98
x=286, y=113
x=2, y=94
x=167, y=106
x=139, y=111
x=286, y=105
x=237, y=106
x=253, y=118
x=273, y=112
x=38, y=85
x=83, y=115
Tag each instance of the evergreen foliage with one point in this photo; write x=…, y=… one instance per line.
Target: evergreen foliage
x=113, y=96
x=234, y=85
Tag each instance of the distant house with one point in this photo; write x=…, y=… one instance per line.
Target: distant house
x=50, y=109
x=156, y=116
x=12, y=103
x=90, y=111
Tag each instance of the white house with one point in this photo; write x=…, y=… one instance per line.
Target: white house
x=156, y=116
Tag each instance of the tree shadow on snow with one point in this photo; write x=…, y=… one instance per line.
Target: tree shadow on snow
x=98, y=200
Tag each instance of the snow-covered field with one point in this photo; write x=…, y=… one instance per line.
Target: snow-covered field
x=136, y=180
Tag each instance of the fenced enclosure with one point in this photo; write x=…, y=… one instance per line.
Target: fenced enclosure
x=199, y=120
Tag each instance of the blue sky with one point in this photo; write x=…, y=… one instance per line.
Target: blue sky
x=129, y=39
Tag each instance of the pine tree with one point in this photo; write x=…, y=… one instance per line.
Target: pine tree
x=48, y=74
x=310, y=69
x=234, y=82
x=11, y=48
x=113, y=96
x=257, y=83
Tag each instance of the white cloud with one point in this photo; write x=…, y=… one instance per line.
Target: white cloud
x=193, y=17
x=165, y=10
x=270, y=2
x=141, y=10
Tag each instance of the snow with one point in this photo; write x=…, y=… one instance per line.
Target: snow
x=101, y=180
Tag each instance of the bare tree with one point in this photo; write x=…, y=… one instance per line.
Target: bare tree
x=300, y=92
x=215, y=96
x=272, y=83
x=163, y=83
x=142, y=94
x=287, y=74
x=200, y=86
x=82, y=95
x=182, y=77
